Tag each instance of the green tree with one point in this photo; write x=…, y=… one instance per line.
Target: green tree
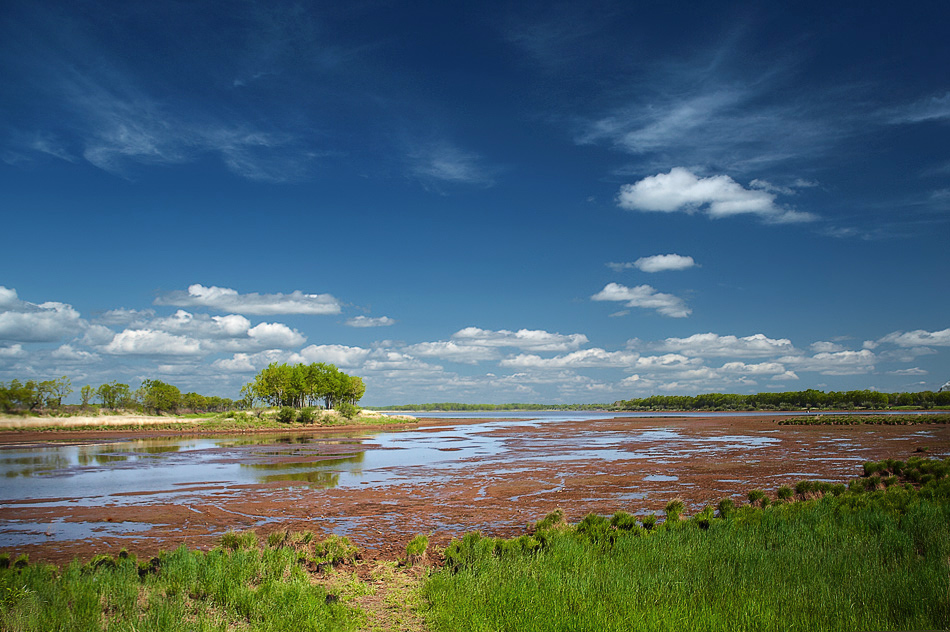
x=114, y=395
x=160, y=397
x=86, y=393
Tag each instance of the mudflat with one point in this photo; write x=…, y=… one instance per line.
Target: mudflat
x=66, y=494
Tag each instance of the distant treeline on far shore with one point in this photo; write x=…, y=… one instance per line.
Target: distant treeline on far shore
x=793, y=400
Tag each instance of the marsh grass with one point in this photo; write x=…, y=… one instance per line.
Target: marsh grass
x=234, y=587
x=866, y=560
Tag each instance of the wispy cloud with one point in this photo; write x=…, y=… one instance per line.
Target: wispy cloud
x=644, y=296
x=445, y=163
x=366, y=321
x=933, y=109
x=229, y=300
x=681, y=190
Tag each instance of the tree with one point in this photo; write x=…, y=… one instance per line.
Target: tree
x=86, y=394
x=114, y=395
x=160, y=397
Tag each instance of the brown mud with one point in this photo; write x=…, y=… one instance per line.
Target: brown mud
x=647, y=462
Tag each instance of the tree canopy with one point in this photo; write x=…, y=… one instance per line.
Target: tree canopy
x=303, y=385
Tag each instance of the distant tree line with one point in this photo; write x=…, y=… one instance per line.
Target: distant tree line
x=793, y=400
x=152, y=396
x=457, y=407
x=303, y=385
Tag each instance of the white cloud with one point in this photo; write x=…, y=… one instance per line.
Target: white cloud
x=825, y=347
x=720, y=196
x=834, y=363
x=911, y=371
x=68, y=353
x=527, y=339
x=659, y=263
x=275, y=335
x=644, y=296
x=715, y=345
x=13, y=351
x=340, y=355
x=365, y=321
x=226, y=299
x=584, y=358
x=445, y=163
x=932, y=109
x=918, y=338
x=23, y=321
x=453, y=351
x=151, y=342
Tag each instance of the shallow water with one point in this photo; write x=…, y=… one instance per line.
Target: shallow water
x=499, y=462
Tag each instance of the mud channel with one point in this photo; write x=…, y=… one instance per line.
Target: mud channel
x=77, y=494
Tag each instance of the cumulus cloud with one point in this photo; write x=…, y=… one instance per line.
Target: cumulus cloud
x=527, y=339
x=718, y=196
x=584, y=358
x=22, y=321
x=454, y=351
x=834, y=363
x=151, y=342
x=728, y=346
x=659, y=263
x=365, y=321
x=340, y=355
x=644, y=296
x=229, y=300
x=12, y=351
x=918, y=338
x=70, y=354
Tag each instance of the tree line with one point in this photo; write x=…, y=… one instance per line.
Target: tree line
x=792, y=400
x=152, y=396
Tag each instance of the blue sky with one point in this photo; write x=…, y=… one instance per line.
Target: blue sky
x=478, y=202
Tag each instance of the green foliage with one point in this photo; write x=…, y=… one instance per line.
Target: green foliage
x=286, y=415
x=784, y=492
x=305, y=415
x=303, y=385
x=348, y=410
x=856, y=561
x=794, y=400
x=245, y=589
x=674, y=509
x=336, y=549
x=417, y=547
x=756, y=496
x=160, y=397
x=238, y=540
x=726, y=506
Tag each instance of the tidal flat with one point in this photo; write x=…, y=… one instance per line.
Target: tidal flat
x=77, y=495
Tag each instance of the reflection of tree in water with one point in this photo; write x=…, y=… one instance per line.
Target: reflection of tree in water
x=96, y=455
x=325, y=480
x=320, y=473
x=34, y=464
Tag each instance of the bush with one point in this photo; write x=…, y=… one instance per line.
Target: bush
x=726, y=506
x=348, y=410
x=305, y=416
x=785, y=492
x=286, y=415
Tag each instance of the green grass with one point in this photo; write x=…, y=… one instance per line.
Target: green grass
x=235, y=587
x=865, y=560
x=857, y=420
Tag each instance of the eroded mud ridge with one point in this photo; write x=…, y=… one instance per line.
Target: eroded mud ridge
x=82, y=494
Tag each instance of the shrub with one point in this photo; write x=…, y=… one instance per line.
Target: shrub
x=785, y=492
x=623, y=521
x=305, y=416
x=649, y=521
x=236, y=540
x=756, y=496
x=674, y=509
x=348, y=410
x=416, y=549
x=726, y=506
x=554, y=520
x=286, y=415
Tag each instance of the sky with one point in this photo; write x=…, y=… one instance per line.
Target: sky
x=477, y=201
